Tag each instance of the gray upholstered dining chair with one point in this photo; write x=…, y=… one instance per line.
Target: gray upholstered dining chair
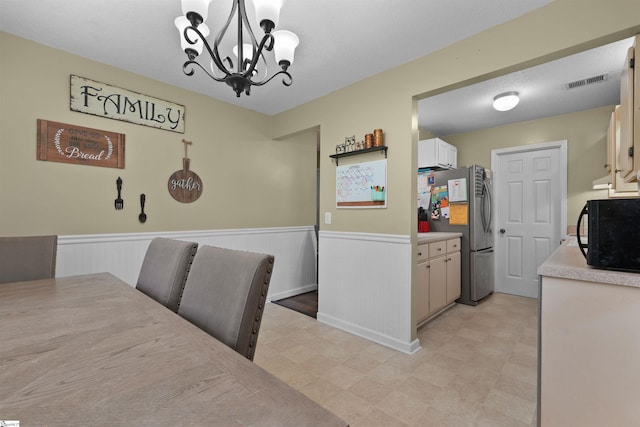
x=225, y=295
x=165, y=269
x=27, y=258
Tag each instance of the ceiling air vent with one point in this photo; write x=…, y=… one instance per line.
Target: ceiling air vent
x=590, y=80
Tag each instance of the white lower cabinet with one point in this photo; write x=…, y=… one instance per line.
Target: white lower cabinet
x=438, y=277
x=423, y=271
x=422, y=294
x=453, y=270
x=589, y=352
x=438, y=280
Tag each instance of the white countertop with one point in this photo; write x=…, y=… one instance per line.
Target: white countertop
x=567, y=262
x=436, y=236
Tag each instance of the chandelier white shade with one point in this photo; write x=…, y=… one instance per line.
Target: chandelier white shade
x=250, y=60
x=506, y=101
x=247, y=51
x=286, y=43
x=268, y=10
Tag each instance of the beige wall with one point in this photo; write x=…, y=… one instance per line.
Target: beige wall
x=387, y=100
x=585, y=132
x=249, y=180
x=233, y=148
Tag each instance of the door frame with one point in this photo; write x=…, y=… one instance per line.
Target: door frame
x=561, y=146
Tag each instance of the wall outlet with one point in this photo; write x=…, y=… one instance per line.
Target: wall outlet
x=327, y=217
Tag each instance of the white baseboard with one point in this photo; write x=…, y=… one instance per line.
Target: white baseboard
x=385, y=340
x=292, y=292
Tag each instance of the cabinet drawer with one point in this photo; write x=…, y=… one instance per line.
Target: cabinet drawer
x=437, y=248
x=423, y=252
x=453, y=245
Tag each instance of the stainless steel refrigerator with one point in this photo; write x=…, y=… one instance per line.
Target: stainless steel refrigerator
x=468, y=211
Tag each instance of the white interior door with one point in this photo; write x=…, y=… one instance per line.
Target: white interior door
x=530, y=204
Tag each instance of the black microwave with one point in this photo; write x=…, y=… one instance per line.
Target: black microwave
x=613, y=234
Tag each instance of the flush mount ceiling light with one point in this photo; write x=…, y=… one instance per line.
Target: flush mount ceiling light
x=248, y=51
x=506, y=101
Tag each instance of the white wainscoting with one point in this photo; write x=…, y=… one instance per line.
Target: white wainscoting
x=294, y=249
x=365, y=286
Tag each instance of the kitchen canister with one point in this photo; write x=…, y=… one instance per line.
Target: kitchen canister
x=368, y=140
x=378, y=141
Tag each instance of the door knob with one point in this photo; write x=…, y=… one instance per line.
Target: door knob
x=502, y=231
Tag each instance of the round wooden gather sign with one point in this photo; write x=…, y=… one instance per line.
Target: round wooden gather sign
x=185, y=185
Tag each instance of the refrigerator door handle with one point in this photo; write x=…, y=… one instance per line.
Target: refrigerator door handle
x=490, y=205
x=486, y=207
x=483, y=217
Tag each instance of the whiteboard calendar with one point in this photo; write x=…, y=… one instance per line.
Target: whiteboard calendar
x=362, y=185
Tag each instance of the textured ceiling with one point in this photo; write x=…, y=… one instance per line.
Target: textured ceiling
x=341, y=41
x=543, y=93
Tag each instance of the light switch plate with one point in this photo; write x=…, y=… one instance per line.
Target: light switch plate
x=327, y=217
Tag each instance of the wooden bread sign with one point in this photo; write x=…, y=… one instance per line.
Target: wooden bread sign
x=61, y=142
x=185, y=185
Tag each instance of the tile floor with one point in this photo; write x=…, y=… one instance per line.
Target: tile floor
x=477, y=367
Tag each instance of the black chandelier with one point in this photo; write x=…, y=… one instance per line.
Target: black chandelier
x=193, y=32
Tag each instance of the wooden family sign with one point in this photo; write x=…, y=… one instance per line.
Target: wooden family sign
x=103, y=100
x=60, y=142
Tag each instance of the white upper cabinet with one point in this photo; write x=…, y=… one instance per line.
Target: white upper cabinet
x=625, y=143
x=628, y=161
x=436, y=153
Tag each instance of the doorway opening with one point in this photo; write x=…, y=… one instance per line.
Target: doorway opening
x=307, y=302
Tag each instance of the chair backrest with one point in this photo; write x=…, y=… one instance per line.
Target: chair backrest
x=165, y=269
x=225, y=295
x=27, y=258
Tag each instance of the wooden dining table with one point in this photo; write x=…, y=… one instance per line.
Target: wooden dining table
x=91, y=350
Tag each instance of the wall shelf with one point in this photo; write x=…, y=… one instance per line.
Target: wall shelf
x=366, y=150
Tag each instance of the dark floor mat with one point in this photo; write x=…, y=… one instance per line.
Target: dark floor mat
x=306, y=303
